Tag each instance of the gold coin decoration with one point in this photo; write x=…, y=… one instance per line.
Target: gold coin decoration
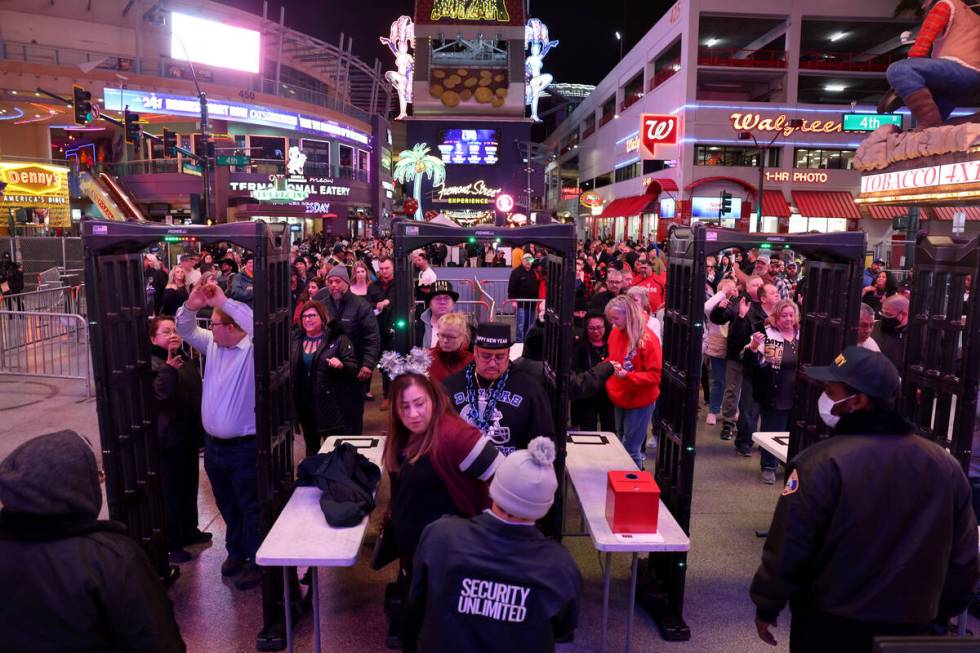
x=451, y=86
x=450, y=99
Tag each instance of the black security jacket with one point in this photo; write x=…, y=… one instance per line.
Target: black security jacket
x=875, y=524
x=485, y=585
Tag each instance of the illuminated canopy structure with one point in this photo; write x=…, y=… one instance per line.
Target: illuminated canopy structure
x=401, y=38
x=536, y=81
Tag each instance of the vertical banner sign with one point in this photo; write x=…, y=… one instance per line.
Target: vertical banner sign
x=656, y=130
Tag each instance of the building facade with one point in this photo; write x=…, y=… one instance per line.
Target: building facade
x=297, y=125
x=739, y=98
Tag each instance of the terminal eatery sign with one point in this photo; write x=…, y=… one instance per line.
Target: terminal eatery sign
x=954, y=175
x=747, y=122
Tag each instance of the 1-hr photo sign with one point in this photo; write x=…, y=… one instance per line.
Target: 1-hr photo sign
x=658, y=130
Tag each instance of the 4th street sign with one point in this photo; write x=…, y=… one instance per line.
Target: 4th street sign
x=233, y=160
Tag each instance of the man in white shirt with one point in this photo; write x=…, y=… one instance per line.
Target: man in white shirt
x=228, y=416
x=427, y=276
x=866, y=323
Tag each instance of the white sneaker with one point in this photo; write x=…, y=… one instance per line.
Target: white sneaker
x=711, y=420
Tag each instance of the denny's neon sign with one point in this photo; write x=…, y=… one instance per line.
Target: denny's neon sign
x=747, y=122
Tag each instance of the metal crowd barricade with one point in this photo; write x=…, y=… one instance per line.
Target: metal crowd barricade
x=45, y=344
x=60, y=299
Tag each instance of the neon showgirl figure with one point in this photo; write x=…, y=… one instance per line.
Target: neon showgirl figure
x=536, y=37
x=402, y=38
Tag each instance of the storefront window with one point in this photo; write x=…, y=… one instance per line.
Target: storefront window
x=346, y=162
x=770, y=224
x=821, y=159
x=628, y=171
x=268, y=148
x=633, y=227
x=801, y=224
x=317, y=157
x=733, y=155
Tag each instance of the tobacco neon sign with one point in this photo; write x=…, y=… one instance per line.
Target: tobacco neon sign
x=755, y=122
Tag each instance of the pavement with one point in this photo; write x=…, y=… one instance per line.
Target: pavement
x=730, y=504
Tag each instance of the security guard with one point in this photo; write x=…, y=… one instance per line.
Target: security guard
x=494, y=583
x=874, y=533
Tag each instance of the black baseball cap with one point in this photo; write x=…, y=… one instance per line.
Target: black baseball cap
x=868, y=372
x=493, y=335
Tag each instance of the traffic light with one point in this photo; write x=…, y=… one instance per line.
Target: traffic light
x=133, y=130
x=169, y=144
x=726, y=202
x=82, y=103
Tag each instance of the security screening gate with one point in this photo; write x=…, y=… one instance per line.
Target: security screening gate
x=562, y=245
x=940, y=375
x=116, y=294
x=829, y=323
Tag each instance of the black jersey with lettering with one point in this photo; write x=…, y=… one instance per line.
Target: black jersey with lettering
x=486, y=585
x=523, y=411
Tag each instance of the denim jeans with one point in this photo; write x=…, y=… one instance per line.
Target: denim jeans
x=772, y=419
x=748, y=416
x=525, y=319
x=947, y=80
x=733, y=390
x=718, y=367
x=233, y=472
x=631, y=427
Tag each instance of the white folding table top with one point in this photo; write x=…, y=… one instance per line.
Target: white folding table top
x=301, y=535
x=591, y=455
x=775, y=442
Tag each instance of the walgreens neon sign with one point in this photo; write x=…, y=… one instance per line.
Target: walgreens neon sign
x=747, y=122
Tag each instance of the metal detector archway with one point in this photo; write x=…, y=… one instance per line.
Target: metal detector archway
x=116, y=295
x=941, y=374
x=829, y=323
x=560, y=241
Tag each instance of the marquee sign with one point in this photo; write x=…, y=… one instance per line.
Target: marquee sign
x=656, y=130
x=476, y=192
x=184, y=105
x=591, y=199
x=490, y=12
x=37, y=186
x=951, y=181
x=747, y=122
x=797, y=176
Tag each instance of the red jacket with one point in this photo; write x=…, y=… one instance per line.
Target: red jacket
x=641, y=387
x=444, y=365
x=656, y=284
x=458, y=462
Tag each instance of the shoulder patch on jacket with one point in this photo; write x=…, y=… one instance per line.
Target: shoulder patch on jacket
x=792, y=484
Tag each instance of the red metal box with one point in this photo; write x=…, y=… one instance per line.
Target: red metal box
x=632, y=502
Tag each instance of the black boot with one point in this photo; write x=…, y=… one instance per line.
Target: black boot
x=727, y=430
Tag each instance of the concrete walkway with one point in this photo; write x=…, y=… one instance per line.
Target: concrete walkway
x=730, y=503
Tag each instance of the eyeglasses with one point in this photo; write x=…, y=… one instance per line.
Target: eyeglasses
x=221, y=324
x=310, y=316
x=488, y=357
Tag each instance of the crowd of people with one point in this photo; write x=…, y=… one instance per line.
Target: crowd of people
x=470, y=449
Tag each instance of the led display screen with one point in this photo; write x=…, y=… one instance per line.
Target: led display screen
x=469, y=147
x=214, y=44
x=708, y=207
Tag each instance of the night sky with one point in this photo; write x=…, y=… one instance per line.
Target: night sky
x=587, y=50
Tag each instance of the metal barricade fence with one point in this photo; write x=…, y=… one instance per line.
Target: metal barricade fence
x=45, y=344
x=63, y=299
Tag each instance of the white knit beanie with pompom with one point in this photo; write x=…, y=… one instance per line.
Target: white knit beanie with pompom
x=525, y=483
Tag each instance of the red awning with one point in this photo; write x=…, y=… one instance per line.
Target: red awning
x=946, y=212
x=707, y=180
x=879, y=212
x=774, y=204
x=826, y=204
x=628, y=206
x=665, y=183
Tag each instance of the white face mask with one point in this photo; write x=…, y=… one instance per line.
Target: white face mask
x=825, y=406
